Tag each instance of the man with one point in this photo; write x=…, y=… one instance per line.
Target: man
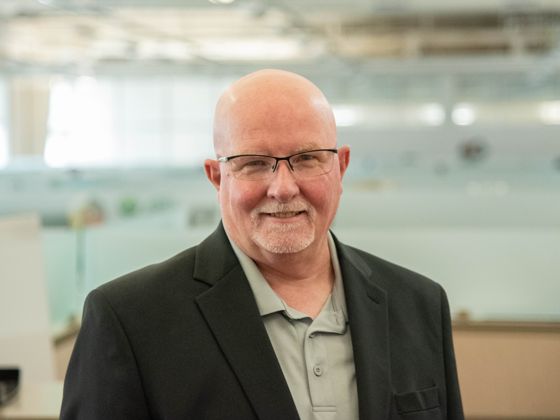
x=270, y=317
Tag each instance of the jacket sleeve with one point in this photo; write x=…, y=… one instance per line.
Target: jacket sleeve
x=103, y=380
x=453, y=400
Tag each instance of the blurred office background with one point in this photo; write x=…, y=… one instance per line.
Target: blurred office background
x=451, y=110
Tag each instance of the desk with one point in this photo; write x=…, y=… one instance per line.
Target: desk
x=34, y=402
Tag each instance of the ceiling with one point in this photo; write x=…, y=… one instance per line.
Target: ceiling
x=496, y=51
x=377, y=35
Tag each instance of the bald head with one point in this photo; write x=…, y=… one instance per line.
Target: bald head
x=274, y=97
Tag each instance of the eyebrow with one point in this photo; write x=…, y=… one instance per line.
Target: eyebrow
x=302, y=148
x=308, y=146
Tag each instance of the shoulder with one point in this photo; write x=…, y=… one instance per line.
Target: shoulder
x=175, y=282
x=155, y=285
x=176, y=268
x=400, y=283
x=414, y=302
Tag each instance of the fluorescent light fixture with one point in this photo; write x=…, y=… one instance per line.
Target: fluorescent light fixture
x=347, y=115
x=251, y=49
x=549, y=112
x=463, y=114
x=221, y=1
x=432, y=114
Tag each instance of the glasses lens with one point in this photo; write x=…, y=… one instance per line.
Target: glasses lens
x=313, y=163
x=252, y=166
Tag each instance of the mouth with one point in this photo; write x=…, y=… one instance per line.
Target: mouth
x=285, y=214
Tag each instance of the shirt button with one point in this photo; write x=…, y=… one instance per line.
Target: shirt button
x=317, y=370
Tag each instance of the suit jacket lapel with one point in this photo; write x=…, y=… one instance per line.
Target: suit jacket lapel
x=232, y=314
x=369, y=326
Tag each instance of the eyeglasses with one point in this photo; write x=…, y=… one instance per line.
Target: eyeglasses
x=303, y=164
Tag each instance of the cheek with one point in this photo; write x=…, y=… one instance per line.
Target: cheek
x=323, y=196
x=244, y=197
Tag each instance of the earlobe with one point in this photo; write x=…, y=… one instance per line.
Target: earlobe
x=212, y=169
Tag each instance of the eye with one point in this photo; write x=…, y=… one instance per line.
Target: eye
x=308, y=156
x=252, y=163
x=256, y=162
x=305, y=159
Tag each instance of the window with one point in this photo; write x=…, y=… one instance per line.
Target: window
x=80, y=125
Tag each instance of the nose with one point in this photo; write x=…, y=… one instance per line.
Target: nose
x=283, y=185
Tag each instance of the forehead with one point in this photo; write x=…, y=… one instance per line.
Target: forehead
x=279, y=147
x=273, y=114
x=279, y=135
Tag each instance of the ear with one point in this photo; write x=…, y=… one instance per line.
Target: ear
x=212, y=169
x=343, y=159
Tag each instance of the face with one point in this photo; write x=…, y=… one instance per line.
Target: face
x=283, y=214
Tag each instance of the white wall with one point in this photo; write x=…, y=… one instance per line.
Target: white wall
x=25, y=336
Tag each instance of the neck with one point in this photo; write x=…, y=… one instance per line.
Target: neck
x=303, y=280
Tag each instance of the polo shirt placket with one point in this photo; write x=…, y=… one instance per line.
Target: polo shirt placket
x=315, y=354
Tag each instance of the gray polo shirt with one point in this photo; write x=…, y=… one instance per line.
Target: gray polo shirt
x=315, y=354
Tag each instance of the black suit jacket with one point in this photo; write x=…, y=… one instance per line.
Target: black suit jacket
x=183, y=339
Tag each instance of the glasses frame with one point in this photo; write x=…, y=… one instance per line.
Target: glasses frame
x=277, y=159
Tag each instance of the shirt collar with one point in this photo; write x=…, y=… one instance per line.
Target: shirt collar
x=269, y=302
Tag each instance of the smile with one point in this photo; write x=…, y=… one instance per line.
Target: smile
x=285, y=215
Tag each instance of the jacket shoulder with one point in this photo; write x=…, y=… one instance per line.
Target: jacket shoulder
x=152, y=281
x=393, y=278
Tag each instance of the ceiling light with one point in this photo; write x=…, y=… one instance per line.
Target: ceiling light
x=463, y=114
x=432, y=114
x=221, y=1
x=549, y=112
x=251, y=49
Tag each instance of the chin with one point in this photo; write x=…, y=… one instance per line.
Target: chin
x=287, y=242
